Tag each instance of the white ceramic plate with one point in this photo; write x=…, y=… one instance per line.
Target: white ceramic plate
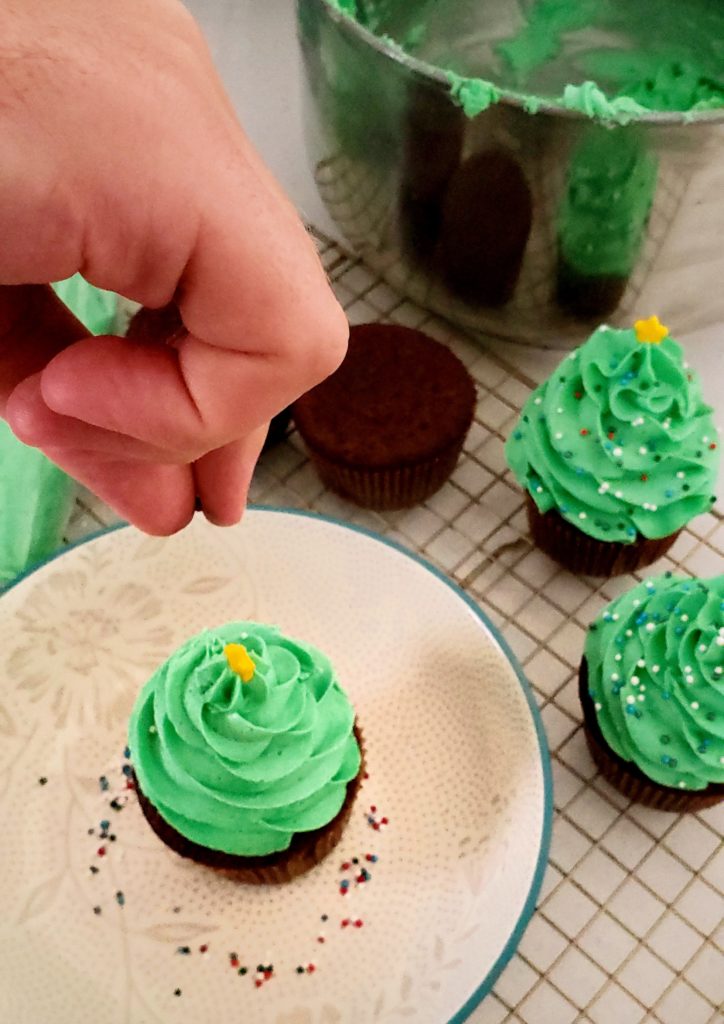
x=457, y=765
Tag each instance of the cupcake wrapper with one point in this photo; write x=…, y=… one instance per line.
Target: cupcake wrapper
x=386, y=489
x=587, y=556
x=306, y=850
x=628, y=777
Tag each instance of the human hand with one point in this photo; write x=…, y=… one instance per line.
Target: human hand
x=123, y=160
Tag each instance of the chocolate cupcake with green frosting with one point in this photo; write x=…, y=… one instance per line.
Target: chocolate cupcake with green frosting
x=652, y=692
x=246, y=753
x=617, y=451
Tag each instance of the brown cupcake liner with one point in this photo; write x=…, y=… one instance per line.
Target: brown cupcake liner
x=387, y=489
x=627, y=777
x=587, y=556
x=305, y=851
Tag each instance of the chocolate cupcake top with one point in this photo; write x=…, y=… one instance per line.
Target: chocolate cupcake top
x=619, y=440
x=398, y=396
x=655, y=660
x=243, y=738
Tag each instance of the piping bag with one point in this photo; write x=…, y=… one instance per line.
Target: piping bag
x=36, y=497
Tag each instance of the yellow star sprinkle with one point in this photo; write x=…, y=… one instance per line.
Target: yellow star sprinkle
x=651, y=331
x=240, y=662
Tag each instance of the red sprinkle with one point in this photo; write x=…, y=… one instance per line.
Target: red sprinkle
x=311, y=968
x=101, y=851
x=343, y=891
x=712, y=446
x=321, y=939
x=234, y=961
x=258, y=982
x=644, y=477
x=346, y=866
x=268, y=974
x=583, y=432
x=130, y=785
x=384, y=821
x=373, y=809
x=376, y=826
x=361, y=879
x=346, y=922
x=611, y=435
x=578, y=394
x=203, y=949
x=358, y=923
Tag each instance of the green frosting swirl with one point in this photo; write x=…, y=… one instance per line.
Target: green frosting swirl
x=618, y=440
x=656, y=675
x=243, y=766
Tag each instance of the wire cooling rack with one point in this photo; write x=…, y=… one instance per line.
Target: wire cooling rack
x=630, y=921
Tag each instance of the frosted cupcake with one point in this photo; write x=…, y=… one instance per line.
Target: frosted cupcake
x=652, y=692
x=246, y=753
x=617, y=451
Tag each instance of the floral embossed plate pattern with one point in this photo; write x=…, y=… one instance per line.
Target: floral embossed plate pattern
x=436, y=875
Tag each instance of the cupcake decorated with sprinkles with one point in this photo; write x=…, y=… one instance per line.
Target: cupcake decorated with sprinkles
x=652, y=692
x=246, y=753
x=617, y=451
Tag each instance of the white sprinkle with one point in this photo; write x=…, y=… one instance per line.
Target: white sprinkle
x=705, y=438
x=688, y=668
x=682, y=784
x=641, y=663
x=702, y=647
x=642, y=687
x=603, y=488
x=720, y=641
x=680, y=475
x=598, y=706
x=630, y=699
x=615, y=677
x=617, y=452
x=684, y=617
x=635, y=680
x=582, y=515
x=539, y=489
x=718, y=670
x=614, y=616
x=537, y=401
x=641, y=697
x=636, y=602
x=559, y=411
x=643, y=450
x=721, y=631
x=651, y=626
x=694, y=705
x=721, y=760
x=619, y=494
x=655, y=668
x=637, y=422
x=617, y=657
x=558, y=436
x=629, y=632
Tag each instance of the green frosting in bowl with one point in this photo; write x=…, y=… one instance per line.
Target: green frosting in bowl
x=655, y=662
x=242, y=762
x=618, y=440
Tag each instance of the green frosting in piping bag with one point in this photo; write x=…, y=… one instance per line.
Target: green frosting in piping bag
x=619, y=440
x=656, y=676
x=243, y=738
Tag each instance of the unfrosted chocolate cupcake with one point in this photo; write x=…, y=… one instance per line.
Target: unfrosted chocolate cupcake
x=652, y=692
x=386, y=429
x=246, y=753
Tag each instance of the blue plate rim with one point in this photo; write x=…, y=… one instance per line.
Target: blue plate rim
x=528, y=909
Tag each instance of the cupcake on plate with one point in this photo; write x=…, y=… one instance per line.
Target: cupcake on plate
x=246, y=753
x=652, y=692
x=387, y=428
x=617, y=451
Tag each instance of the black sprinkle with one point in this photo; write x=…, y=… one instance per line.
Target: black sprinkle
x=184, y=950
x=325, y=917
x=177, y=910
x=112, y=838
x=243, y=970
x=96, y=911
x=300, y=970
x=260, y=967
x=177, y=991
x=43, y=780
x=94, y=870
x=91, y=831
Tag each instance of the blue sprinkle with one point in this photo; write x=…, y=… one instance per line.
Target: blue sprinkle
x=344, y=884
x=517, y=435
x=630, y=531
x=668, y=493
x=630, y=709
x=120, y=898
x=126, y=752
x=105, y=825
x=127, y=770
x=679, y=630
x=665, y=695
x=640, y=619
x=104, y=784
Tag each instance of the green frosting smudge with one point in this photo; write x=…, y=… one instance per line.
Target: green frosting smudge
x=606, y=205
x=242, y=767
x=618, y=440
x=655, y=674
